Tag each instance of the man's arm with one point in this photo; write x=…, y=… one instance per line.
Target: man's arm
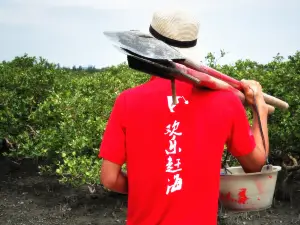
x=254, y=161
x=113, y=150
x=113, y=178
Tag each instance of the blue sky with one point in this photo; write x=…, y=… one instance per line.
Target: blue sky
x=70, y=32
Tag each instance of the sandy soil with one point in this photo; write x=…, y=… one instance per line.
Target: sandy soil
x=27, y=198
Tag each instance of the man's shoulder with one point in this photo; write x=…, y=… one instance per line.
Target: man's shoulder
x=231, y=101
x=131, y=95
x=143, y=88
x=224, y=96
x=134, y=90
x=226, y=100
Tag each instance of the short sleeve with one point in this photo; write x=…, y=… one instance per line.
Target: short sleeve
x=112, y=147
x=240, y=140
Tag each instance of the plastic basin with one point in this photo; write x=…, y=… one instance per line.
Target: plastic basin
x=242, y=191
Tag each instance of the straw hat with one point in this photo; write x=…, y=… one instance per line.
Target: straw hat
x=178, y=29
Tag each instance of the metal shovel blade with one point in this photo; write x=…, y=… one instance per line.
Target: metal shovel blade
x=161, y=68
x=157, y=67
x=144, y=45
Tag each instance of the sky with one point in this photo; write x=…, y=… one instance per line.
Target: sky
x=70, y=32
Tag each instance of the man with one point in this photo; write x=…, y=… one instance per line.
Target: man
x=173, y=153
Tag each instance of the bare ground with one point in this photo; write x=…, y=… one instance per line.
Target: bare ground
x=27, y=198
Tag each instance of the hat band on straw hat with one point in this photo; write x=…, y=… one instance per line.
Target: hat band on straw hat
x=174, y=43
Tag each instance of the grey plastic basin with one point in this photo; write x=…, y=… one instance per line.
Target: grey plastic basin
x=242, y=191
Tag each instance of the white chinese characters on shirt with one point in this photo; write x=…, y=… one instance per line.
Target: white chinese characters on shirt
x=173, y=166
x=170, y=102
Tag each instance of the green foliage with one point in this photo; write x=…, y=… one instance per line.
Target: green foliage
x=279, y=78
x=60, y=114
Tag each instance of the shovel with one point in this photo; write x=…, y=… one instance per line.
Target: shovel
x=171, y=70
x=151, y=48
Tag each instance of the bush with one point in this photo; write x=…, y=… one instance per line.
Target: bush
x=279, y=78
x=60, y=114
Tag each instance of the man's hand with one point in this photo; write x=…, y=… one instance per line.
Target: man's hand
x=252, y=89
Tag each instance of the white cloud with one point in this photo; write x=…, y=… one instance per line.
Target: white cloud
x=121, y=4
x=193, y=5
x=37, y=12
x=21, y=14
x=126, y=4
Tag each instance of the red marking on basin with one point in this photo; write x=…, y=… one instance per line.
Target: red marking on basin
x=242, y=196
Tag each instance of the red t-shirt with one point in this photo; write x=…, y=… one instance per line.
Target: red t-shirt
x=173, y=154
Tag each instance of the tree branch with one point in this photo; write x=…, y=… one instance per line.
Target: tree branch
x=294, y=167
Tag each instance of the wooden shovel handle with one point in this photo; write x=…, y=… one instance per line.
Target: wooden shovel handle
x=275, y=101
x=233, y=82
x=203, y=79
